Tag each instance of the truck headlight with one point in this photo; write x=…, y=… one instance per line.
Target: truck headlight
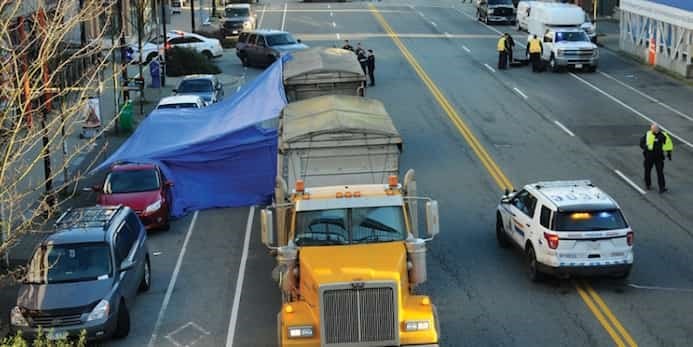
x=300, y=331
x=100, y=311
x=17, y=318
x=153, y=207
x=417, y=325
x=247, y=24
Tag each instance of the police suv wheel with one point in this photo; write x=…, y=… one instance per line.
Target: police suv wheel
x=501, y=236
x=532, y=266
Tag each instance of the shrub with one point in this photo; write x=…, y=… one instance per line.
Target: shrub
x=185, y=61
x=41, y=341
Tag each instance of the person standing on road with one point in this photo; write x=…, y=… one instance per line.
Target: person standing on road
x=347, y=46
x=502, y=53
x=359, y=49
x=509, y=45
x=535, y=50
x=655, y=145
x=363, y=60
x=371, y=66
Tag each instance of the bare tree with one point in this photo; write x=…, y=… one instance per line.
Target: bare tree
x=46, y=78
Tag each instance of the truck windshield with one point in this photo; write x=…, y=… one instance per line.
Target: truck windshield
x=572, y=36
x=590, y=221
x=350, y=226
x=500, y=2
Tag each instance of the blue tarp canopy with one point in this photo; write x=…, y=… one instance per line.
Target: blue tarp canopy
x=218, y=156
x=686, y=5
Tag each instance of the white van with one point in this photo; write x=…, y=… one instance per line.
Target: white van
x=524, y=8
x=565, y=42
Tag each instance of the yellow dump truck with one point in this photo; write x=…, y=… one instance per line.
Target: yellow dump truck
x=349, y=254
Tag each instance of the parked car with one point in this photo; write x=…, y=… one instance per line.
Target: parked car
x=85, y=276
x=181, y=101
x=263, y=47
x=207, y=46
x=150, y=50
x=141, y=187
x=237, y=18
x=207, y=87
x=496, y=11
x=176, y=6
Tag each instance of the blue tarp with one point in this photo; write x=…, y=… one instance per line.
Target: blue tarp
x=686, y=5
x=218, y=156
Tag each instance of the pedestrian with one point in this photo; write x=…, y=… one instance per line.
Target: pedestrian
x=363, y=60
x=371, y=66
x=509, y=45
x=347, y=46
x=359, y=49
x=502, y=53
x=535, y=50
x=655, y=144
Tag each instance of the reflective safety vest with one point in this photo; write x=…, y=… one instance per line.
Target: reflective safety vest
x=668, y=146
x=501, y=44
x=534, y=46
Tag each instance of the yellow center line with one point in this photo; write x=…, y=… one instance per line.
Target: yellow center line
x=593, y=301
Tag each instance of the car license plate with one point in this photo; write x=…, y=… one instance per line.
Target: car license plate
x=578, y=66
x=235, y=32
x=56, y=335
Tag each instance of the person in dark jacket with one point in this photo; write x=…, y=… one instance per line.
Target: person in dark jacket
x=359, y=49
x=509, y=45
x=347, y=46
x=363, y=60
x=655, y=145
x=371, y=66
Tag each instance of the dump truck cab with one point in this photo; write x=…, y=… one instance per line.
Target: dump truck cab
x=349, y=268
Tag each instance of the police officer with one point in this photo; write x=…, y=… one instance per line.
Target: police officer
x=371, y=66
x=535, y=50
x=502, y=53
x=509, y=45
x=655, y=145
x=363, y=60
x=359, y=49
x=347, y=46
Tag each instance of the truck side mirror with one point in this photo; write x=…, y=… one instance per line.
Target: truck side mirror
x=432, y=219
x=267, y=227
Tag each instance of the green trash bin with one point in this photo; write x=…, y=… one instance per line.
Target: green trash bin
x=125, y=119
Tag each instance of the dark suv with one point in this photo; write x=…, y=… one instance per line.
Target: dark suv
x=263, y=47
x=85, y=276
x=496, y=11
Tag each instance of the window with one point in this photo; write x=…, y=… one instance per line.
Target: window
x=124, y=240
x=176, y=40
x=177, y=106
x=63, y=263
x=280, y=39
x=134, y=223
x=193, y=39
x=261, y=41
x=545, y=217
x=525, y=202
x=131, y=181
x=202, y=85
x=325, y=227
x=590, y=220
x=237, y=12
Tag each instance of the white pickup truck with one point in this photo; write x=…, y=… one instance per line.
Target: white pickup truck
x=565, y=41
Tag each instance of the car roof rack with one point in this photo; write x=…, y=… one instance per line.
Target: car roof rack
x=87, y=217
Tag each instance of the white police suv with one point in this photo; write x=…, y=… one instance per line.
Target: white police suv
x=566, y=228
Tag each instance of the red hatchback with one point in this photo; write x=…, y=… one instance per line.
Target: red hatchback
x=141, y=187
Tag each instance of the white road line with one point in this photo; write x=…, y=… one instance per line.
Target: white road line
x=564, y=128
x=338, y=37
x=239, y=280
x=520, y=92
x=331, y=14
x=286, y=5
x=630, y=182
x=334, y=25
x=641, y=93
x=172, y=282
x=447, y=34
x=329, y=6
x=420, y=13
x=667, y=289
x=262, y=16
x=466, y=49
x=434, y=24
x=489, y=67
x=640, y=114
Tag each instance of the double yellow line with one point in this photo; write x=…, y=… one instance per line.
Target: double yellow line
x=594, y=302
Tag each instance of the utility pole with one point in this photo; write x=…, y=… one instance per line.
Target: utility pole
x=192, y=16
x=214, y=8
x=82, y=27
x=163, y=56
x=140, y=29
x=123, y=53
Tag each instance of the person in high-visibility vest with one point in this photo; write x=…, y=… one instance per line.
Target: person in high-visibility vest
x=656, y=144
x=535, y=50
x=502, y=53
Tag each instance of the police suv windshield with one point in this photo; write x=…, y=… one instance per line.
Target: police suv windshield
x=280, y=40
x=69, y=263
x=500, y=2
x=571, y=36
x=589, y=221
x=350, y=226
x=237, y=12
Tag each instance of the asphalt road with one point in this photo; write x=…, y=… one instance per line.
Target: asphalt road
x=545, y=126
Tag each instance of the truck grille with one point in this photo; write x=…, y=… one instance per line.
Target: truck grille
x=502, y=11
x=581, y=53
x=49, y=321
x=360, y=315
